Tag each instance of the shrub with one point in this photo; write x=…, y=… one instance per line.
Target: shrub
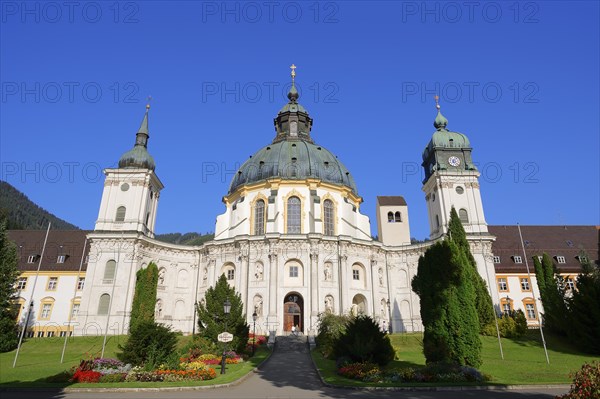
x=363, y=341
x=586, y=383
x=511, y=325
x=149, y=344
x=330, y=328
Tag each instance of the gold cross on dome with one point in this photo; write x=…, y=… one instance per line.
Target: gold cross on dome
x=293, y=68
x=148, y=103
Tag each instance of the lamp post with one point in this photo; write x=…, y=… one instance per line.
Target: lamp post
x=508, y=303
x=254, y=317
x=390, y=324
x=226, y=310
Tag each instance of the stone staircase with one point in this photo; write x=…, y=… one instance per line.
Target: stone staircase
x=291, y=343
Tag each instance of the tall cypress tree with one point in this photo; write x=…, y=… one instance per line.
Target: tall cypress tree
x=445, y=288
x=144, y=298
x=584, y=310
x=8, y=278
x=212, y=319
x=552, y=294
x=483, y=300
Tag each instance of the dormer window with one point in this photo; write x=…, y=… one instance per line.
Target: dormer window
x=61, y=258
x=32, y=258
x=582, y=259
x=561, y=259
x=517, y=259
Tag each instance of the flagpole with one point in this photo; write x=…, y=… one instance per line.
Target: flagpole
x=537, y=313
x=62, y=356
x=31, y=297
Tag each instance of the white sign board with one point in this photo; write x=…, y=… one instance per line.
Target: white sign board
x=225, y=337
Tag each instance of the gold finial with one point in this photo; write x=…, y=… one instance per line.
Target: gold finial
x=437, y=101
x=148, y=103
x=293, y=68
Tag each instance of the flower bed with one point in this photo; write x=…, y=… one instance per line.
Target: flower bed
x=112, y=370
x=436, y=372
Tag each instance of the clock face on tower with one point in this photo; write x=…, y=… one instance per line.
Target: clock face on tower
x=454, y=161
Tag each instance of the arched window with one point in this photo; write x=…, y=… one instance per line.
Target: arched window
x=328, y=217
x=390, y=217
x=120, y=217
x=158, y=309
x=463, y=215
x=397, y=217
x=259, y=217
x=103, y=304
x=109, y=270
x=147, y=218
x=293, y=215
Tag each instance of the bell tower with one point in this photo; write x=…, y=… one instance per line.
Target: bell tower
x=131, y=191
x=451, y=179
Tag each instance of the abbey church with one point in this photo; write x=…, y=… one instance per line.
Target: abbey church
x=292, y=241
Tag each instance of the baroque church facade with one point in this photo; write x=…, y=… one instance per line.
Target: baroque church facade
x=292, y=239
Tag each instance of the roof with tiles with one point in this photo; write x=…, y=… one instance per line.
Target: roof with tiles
x=556, y=241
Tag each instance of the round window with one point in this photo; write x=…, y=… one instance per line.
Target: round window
x=460, y=190
x=124, y=187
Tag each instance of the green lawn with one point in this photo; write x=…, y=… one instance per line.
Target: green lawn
x=40, y=358
x=524, y=360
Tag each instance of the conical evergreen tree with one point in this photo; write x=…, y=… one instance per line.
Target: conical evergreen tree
x=584, y=310
x=8, y=278
x=483, y=300
x=144, y=298
x=552, y=293
x=211, y=316
x=445, y=287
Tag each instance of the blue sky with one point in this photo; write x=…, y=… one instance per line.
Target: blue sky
x=521, y=79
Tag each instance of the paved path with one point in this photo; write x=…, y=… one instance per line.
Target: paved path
x=289, y=374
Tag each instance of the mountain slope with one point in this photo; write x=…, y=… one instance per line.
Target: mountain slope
x=23, y=214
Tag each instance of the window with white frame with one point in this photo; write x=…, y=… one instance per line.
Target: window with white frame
x=569, y=283
x=506, y=307
x=46, y=311
x=75, y=311
x=22, y=283
x=530, y=310
x=293, y=271
x=40, y=334
x=582, y=258
x=502, y=284
x=525, y=284
x=31, y=258
x=80, y=283
x=50, y=334
x=356, y=274
x=61, y=258
x=496, y=259
x=230, y=274
x=52, y=283
x=517, y=259
x=561, y=259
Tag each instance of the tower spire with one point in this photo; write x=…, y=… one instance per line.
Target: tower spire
x=440, y=121
x=293, y=94
x=138, y=156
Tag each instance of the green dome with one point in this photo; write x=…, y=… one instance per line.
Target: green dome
x=137, y=157
x=293, y=159
x=443, y=138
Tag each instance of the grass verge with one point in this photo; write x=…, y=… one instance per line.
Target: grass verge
x=524, y=361
x=39, y=358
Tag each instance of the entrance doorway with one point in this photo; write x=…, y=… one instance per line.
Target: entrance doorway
x=293, y=312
